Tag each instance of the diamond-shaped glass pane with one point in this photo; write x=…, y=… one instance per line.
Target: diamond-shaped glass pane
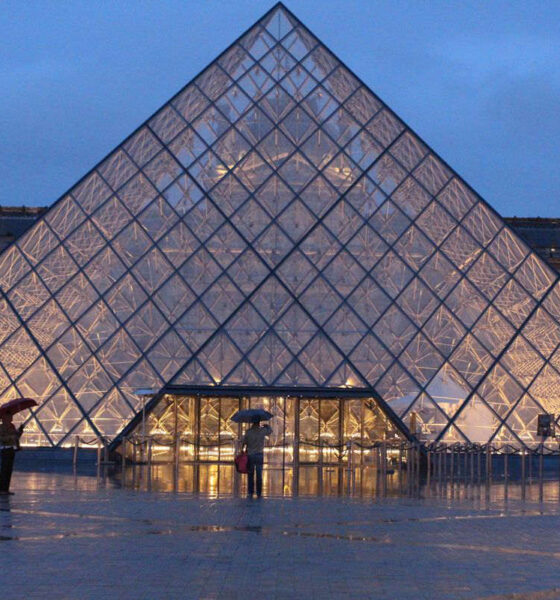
x=320, y=299
x=436, y=223
x=421, y=359
x=105, y=269
x=196, y=326
x=444, y=331
x=394, y=329
x=397, y=388
x=13, y=266
x=248, y=271
x=369, y=301
x=57, y=269
x=142, y=146
x=371, y=358
x=64, y=217
x=345, y=328
x=432, y=174
x=246, y=327
x=439, y=274
x=466, y=303
x=125, y=298
x=169, y=355
x=219, y=356
x=321, y=358
x=391, y=274
x=417, y=301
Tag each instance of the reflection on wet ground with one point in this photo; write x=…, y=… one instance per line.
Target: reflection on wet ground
x=221, y=480
x=139, y=534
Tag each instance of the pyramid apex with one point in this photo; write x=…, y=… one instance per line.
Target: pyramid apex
x=279, y=20
x=279, y=5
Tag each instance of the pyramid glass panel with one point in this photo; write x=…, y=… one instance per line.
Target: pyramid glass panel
x=275, y=227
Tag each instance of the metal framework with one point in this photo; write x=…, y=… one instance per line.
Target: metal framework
x=275, y=224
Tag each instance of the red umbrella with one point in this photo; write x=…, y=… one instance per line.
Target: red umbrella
x=14, y=406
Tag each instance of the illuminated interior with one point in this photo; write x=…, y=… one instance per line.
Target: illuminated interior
x=275, y=224
x=305, y=430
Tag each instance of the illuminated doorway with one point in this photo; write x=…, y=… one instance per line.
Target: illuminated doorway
x=309, y=430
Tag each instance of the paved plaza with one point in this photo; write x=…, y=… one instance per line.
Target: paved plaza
x=82, y=537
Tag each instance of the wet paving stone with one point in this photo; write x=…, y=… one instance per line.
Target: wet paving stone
x=82, y=537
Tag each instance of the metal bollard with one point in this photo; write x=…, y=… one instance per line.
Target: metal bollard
x=384, y=464
x=75, y=455
x=384, y=457
x=123, y=454
x=488, y=470
x=559, y=476
x=541, y=474
x=429, y=473
x=418, y=470
x=353, y=475
x=452, y=467
x=479, y=466
x=349, y=467
x=523, y=473
x=408, y=454
x=150, y=441
x=177, y=451
x=401, y=452
x=506, y=456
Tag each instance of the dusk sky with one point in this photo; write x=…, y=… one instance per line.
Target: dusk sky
x=478, y=81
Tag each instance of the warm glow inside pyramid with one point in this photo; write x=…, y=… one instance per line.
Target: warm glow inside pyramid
x=275, y=225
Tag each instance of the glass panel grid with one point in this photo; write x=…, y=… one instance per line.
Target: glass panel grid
x=314, y=241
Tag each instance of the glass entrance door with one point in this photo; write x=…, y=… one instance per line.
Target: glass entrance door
x=315, y=442
x=305, y=431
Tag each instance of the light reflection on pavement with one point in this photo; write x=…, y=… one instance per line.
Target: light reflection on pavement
x=83, y=536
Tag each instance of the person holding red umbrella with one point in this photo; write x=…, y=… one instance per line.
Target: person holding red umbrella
x=9, y=439
x=9, y=443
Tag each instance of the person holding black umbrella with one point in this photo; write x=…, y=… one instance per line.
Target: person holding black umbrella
x=9, y=443
x=253, y=442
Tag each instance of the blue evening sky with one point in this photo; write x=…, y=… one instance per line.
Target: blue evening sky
x=478, y=81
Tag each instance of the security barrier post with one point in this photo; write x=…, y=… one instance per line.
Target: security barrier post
x=75, y=455
x=541, y=473
x=349, y=462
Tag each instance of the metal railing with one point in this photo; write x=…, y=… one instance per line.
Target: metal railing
x=410, y=464
x=102, y=445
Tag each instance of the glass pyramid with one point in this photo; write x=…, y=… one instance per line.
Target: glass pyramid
x=275, y=224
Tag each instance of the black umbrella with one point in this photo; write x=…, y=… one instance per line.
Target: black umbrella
x=250, y=415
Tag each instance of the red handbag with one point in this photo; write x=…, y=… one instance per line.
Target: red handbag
x=242, y=462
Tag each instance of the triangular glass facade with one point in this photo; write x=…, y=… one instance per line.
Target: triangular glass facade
x=275, y=224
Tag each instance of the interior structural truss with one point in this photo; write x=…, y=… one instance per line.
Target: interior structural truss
x=276, y=224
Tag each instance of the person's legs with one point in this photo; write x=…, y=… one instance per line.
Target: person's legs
x=6, y=469
x=259, y=461
x=251, y=476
